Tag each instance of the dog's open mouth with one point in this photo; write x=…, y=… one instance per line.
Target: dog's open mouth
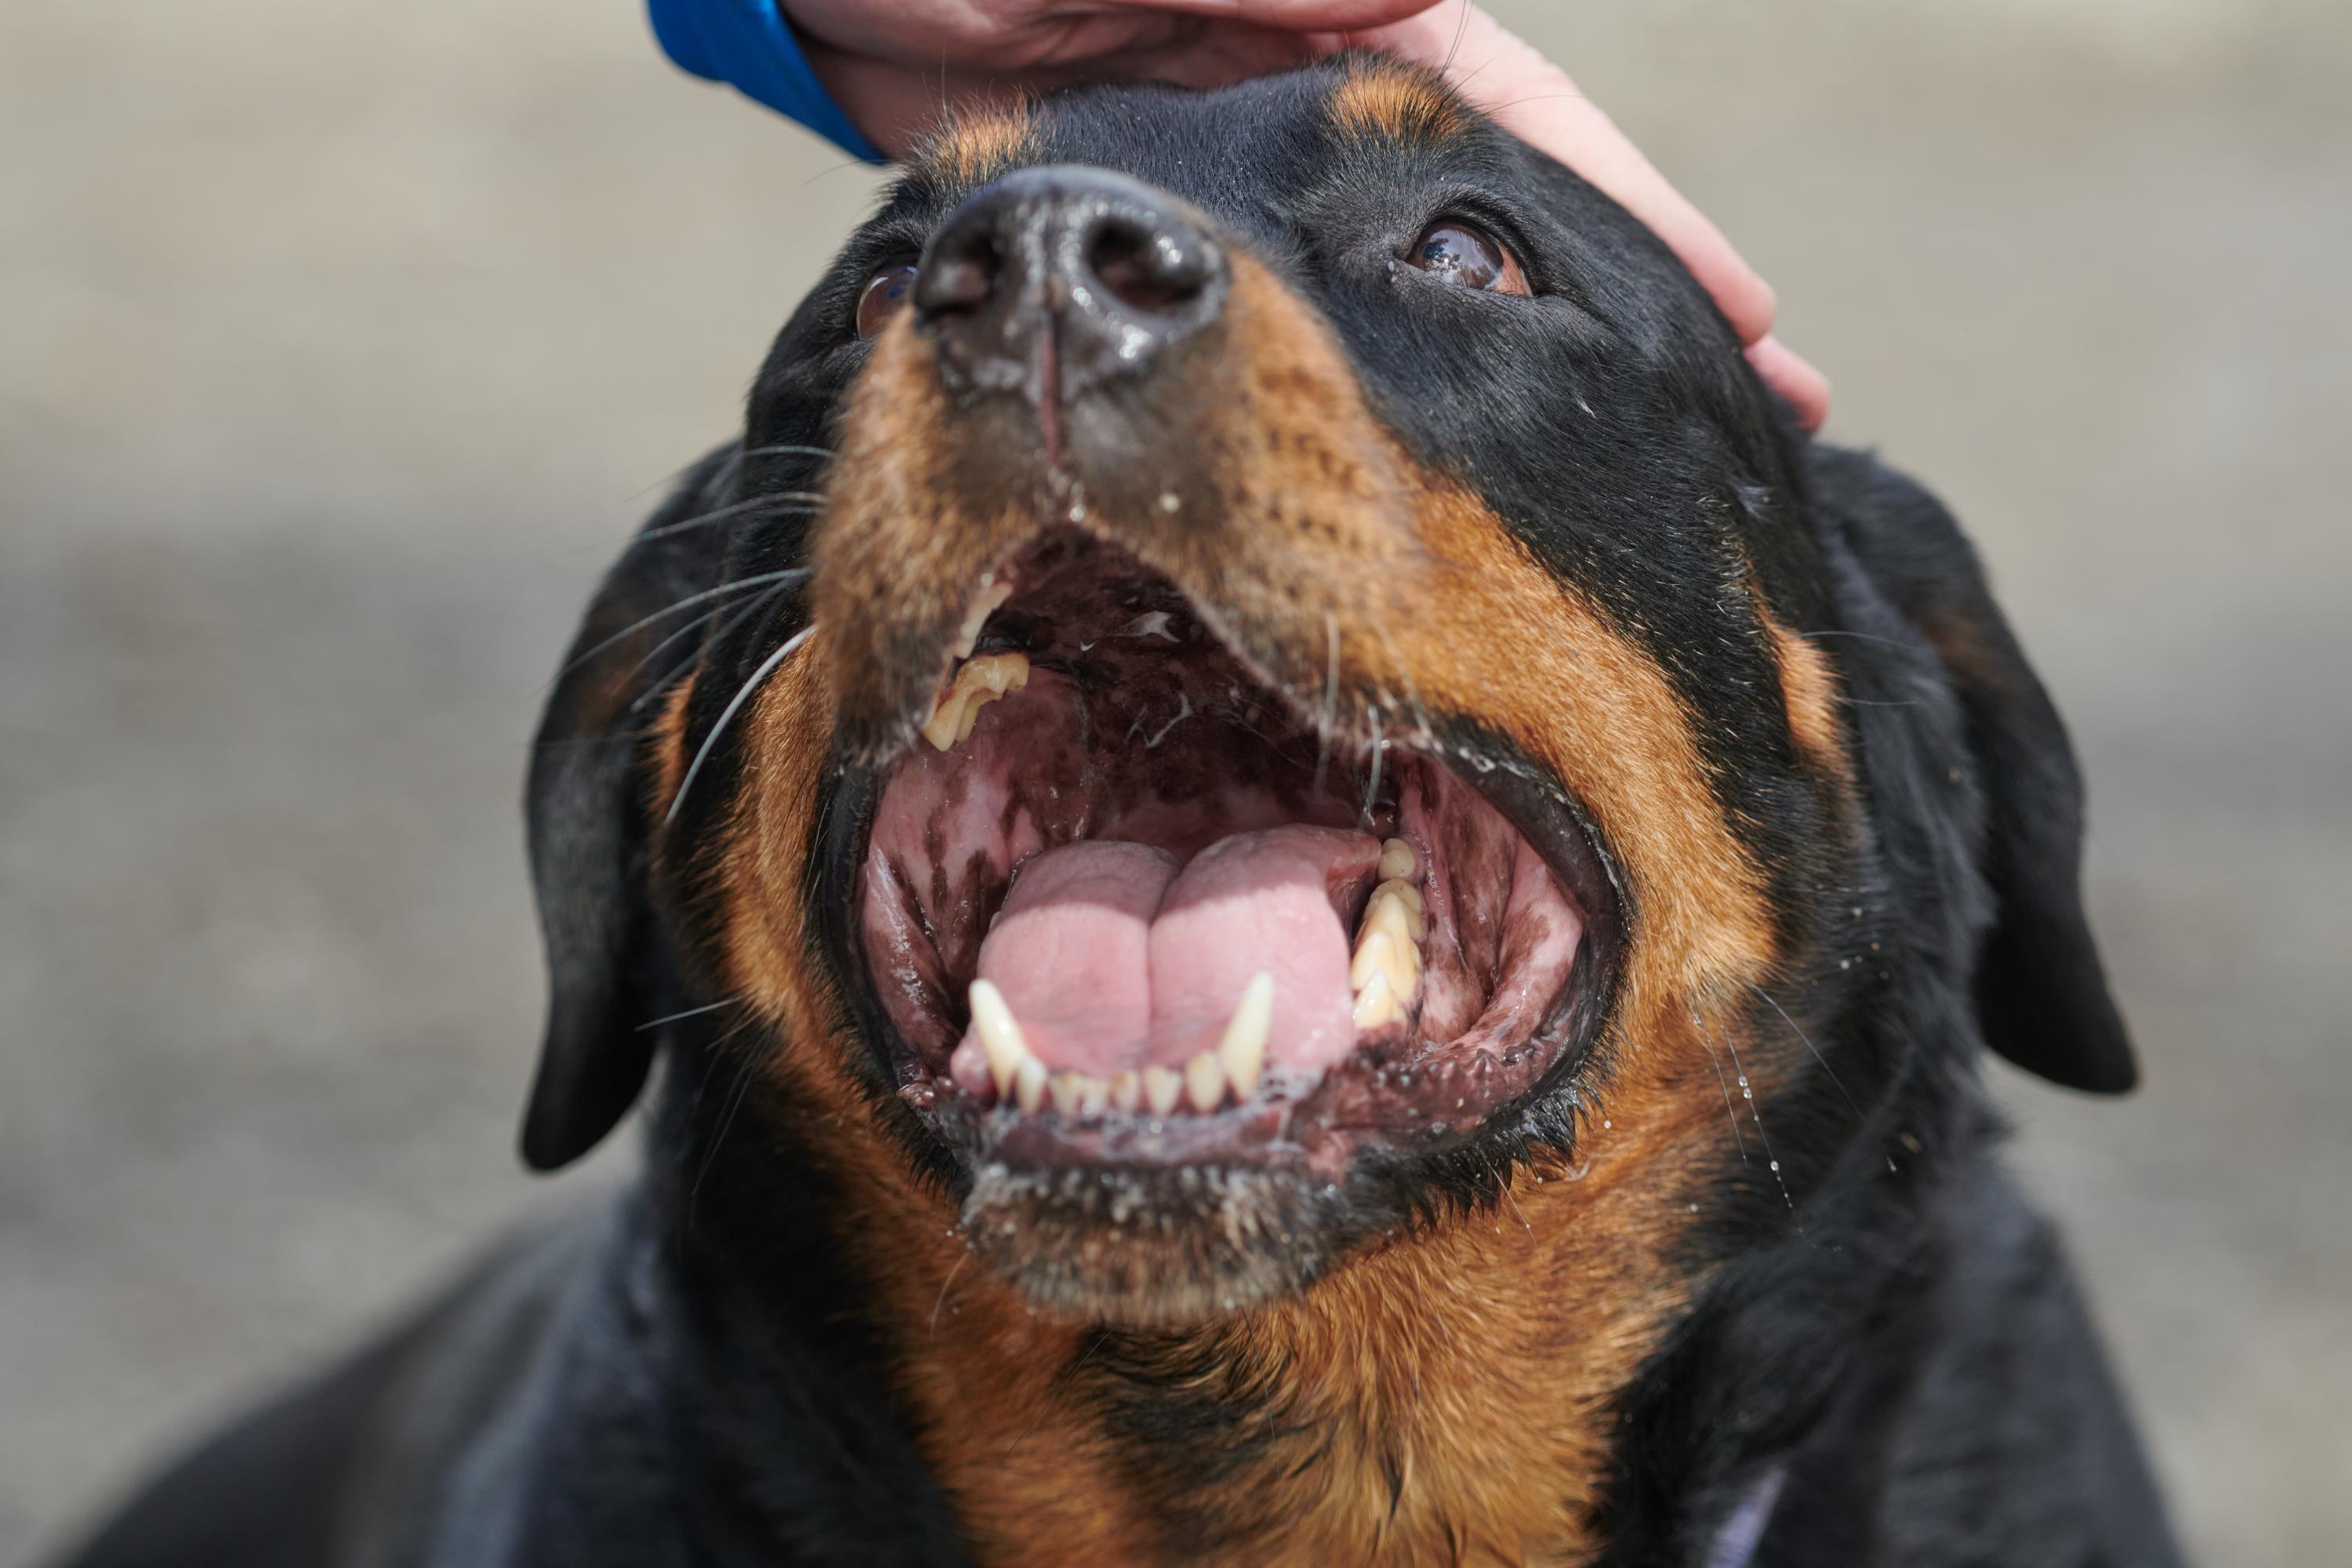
x=1124, y=902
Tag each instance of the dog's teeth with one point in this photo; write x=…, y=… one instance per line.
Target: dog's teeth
x=1408, y=895
x=1080, y=1093
x=1204, y=1081
x=1390, y=912
x=1398, y=861
x=1387, y=958
x=978, y=683
x=1162, y=1087
x=1029, y=1083
x=1385, y=970
x=999, y=1036
x=1242, y=1050
x=997, y=673
x=990, y=596
x=939, y=727
x=1376, y=1005
x=1127, y=1090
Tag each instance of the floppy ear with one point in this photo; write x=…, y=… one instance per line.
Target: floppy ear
x=585, y=807
x=2040, y=991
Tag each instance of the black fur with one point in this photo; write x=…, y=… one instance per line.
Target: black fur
x=1890, y=1340
x=587, y=827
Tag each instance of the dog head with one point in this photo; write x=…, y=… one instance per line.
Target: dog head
x=1263, y=681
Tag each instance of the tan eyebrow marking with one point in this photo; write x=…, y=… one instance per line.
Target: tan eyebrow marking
x=1396, y=102
x=981, y=144
x=1809, y=689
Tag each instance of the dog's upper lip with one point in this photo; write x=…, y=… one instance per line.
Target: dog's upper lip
x=1368, y=1095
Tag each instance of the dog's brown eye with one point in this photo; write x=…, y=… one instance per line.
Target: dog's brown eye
x=887, y=293
x=1458, y=253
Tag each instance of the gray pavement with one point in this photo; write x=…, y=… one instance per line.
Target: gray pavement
x=341, y=342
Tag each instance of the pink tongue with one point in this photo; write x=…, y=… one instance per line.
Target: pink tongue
x=1069, y=950
x=1109, y=958
x=1252, y=902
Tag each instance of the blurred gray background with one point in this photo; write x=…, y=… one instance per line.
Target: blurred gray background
x=340, y=343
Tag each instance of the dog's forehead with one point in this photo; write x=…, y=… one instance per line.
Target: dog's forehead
x=1263, y=156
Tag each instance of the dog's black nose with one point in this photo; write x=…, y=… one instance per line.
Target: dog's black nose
x=1053, y=281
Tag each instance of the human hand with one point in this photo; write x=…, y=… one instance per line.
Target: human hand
x=890, y=64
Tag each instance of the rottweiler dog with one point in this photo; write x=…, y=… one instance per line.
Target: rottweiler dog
x=1310, y=892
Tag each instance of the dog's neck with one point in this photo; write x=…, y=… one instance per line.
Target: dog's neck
x=1435, y=1400
x=1455, y=1394
x=1408, y=1407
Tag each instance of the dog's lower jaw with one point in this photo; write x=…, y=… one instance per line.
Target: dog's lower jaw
x=1095, y=1245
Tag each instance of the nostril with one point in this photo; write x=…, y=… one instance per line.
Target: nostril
x=1145, y=269
x=959, y=283
x=1053, y=281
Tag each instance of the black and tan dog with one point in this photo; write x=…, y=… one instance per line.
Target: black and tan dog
x=1310, y=895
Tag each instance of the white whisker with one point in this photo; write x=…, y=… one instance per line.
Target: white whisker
x=689, y=1012
x=653, y=691
x=722, y=591
x=742, y=695
x=781, y=500
x=1756, y=1110
x=1809, y=1044
x=1728, y=1113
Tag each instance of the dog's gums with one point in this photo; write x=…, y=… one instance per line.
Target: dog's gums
x=1122, y=902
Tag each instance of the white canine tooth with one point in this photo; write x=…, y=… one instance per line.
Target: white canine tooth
x=1387, y=948
x=1409, y=895
x=1127, y=1090
x=1388, y=918
x=1398, y=861
x=991, y=595
x=939, y=729
x=1029, y=1083
x=1377, y=1004
x=1162, y=1087
x=978, y=683
x=999, y=1036
x=1375, y=954
x=1242, y=1049
x=1204, y=1080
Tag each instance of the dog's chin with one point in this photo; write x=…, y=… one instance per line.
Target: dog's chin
x=1152, y=1246
x=1195, y=989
